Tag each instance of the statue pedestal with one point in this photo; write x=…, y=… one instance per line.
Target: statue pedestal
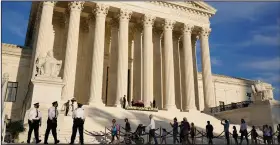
x=46, y=90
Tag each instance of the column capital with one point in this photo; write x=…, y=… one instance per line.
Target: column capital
x=125, y=14
x=204, y=32
x=101, y=9
x=49, y=3
x=188, y=28
x=76, y=5
x=168, y=24
x=148, y=20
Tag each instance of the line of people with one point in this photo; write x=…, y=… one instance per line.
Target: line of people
x=35, y=121
x=185, y=130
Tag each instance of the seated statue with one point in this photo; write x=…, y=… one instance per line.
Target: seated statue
x=260, y=92
x=48, y=66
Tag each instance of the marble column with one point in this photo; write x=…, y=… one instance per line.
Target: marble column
x=44, y=29
x=70, y=62
x=148, y=22
x=189, y=98
x=169, y=66
x=95, y=97
x=122, y=72
x=137, y=63
x=112, y=82
x=195, y=73
x=208, y=91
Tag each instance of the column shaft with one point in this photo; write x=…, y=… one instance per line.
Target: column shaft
x=169, y=66
x=70, y=62
x=189, y=99
x=98, y=55
x=148, y=60
x=206, y=70
x=122, y=55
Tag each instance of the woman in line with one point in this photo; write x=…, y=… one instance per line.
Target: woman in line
x=114, y=130
x=243, y=131
x=235, y=135
x=193, y=132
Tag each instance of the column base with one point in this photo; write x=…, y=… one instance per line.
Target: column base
x=171, y=108
x=96, y=104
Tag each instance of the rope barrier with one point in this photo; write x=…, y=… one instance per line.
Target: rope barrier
x=138, y=135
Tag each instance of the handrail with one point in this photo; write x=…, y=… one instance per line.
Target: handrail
x=232, y=106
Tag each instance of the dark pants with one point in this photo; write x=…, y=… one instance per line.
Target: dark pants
x=78, y=124
x=152, y=134
x=210, y=137
x=227, y=137
x=66, y=111
x=244, y=134
x=113, y=137
x=33, y=126
x=175, y=134
x=51, y=125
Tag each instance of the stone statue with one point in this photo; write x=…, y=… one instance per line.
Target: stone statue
x=48, y=66
x=260, y=92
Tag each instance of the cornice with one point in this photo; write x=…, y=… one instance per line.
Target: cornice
x=11, y=49
x=185, y=7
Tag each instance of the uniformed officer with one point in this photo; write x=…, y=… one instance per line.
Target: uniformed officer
x=52, y=123
x=78, y=123
x=34, y=122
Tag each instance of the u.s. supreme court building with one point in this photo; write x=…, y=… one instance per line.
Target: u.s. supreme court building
x=99, y=52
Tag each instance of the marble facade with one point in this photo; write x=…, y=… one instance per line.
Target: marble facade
x=111, y=49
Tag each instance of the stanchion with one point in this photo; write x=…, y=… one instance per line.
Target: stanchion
x=160, y=134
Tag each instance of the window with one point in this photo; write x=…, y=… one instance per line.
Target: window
x=11, y=91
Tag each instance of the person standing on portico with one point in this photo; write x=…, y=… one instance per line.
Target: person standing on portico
x=34, y=122
x=52, y=123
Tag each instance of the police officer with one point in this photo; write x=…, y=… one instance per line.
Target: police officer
x=52, y=123
x=34, y=122
x=78, y=123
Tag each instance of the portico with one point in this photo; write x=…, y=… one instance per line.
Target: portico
x=114, y=49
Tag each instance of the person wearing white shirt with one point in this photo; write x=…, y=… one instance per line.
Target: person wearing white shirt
x=243, y=131
x=52, y=123
x=152, y=130
x=34, y=122
x=79, y=119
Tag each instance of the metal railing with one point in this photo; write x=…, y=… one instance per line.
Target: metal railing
x=231, y=106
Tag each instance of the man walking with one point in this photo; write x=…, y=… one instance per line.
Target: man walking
x=52, y=123
x=152, y=131
x=226, y=129
x=79, y=119
x=34, y=122
x=209, y=132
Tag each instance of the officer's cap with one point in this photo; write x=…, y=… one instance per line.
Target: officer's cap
x=55, y=102
x=79, y=104
x=73, y=99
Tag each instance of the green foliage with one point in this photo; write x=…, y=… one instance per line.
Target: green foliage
x=15, y=127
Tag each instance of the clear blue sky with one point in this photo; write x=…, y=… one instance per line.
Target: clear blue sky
x=244, y=42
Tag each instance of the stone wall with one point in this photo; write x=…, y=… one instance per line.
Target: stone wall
x=16, y=62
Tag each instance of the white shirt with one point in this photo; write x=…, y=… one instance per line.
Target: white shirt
x=79, y=113
x=152, y=124
x=243, y=126
x=52, y=113
x=33, y=114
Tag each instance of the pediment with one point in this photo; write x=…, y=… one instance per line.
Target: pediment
x=195, y=5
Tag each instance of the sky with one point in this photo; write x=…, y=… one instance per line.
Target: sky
x=244, y=41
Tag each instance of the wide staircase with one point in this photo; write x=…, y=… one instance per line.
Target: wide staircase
x=99, y=118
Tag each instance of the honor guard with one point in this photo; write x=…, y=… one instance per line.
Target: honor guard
x=78, y=123
x=34, y=122
x=52, y=123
